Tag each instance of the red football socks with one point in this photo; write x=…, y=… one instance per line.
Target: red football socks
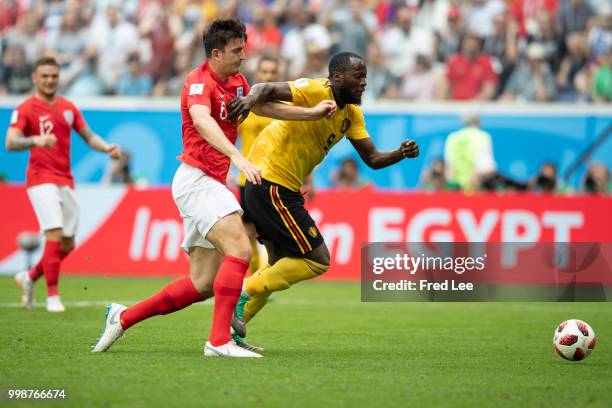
x=174, y=296
x=51, y=265
x=227, y=288
x=36, y=272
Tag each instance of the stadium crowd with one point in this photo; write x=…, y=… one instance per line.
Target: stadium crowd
x=417, y=50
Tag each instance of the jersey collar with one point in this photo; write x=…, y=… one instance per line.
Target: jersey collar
x=206, y=68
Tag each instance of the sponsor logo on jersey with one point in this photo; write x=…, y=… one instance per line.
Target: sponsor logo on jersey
x=239, y=91
x=196, y=89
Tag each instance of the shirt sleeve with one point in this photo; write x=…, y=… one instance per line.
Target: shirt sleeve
x=198, y=94
x=306, y=92
x=357, y=128
x=79, y=121
x=19, y=119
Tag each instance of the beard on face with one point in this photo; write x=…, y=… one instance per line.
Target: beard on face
x=350, y=96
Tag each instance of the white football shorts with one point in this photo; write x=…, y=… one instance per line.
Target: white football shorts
x=201, y=201
x=55, y=207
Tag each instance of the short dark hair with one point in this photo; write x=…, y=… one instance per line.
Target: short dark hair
x=341, y=61
x=47, y=60
x=221, y=32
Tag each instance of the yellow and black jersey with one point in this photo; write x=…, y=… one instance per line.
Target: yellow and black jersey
x=248, y=130
x=287, y=151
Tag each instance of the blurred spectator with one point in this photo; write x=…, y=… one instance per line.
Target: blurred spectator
x=501, y=46
x=380, y=80
x=347, y=176
x=532, y=81
x=167, y=35
x=54, y=14
x=468, y=154
x=434, y=178
x=303, y=31
x=419, y=84
x=448, y=42
x=401, y=43
x=602, y=78
x=316, y=62
x=17, y=72
x=118, y=171
x=469, y=74
x=479, y=15
x=546, y=181
x=68, y=42
x=352, y=26
x=543, y=31
x=525, y=13
x=263, y=36
x=574, y=61
x=432, y=15
x=159, y=30
x=114, y=39
x=574, y=16
x=600, y=37
x=134, y=82
x=597, y=180
x=192, y=11
x=68, y=39
x=26, y=35
x=180, y=69
x=87, y=82
x=8, y=14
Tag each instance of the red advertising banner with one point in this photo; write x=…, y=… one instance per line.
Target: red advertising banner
x=139, y=232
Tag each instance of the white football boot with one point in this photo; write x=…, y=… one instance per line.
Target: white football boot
x=54, y=304
x=23, y=281
x=112, y=328
x=229, y=349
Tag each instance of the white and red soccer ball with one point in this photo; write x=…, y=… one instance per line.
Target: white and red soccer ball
x=574, y=340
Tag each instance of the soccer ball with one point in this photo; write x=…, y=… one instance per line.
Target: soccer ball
x=574, y=340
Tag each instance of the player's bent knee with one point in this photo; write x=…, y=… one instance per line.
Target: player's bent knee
x=67, y=245
x=320, y=255
x=229, y=237
x=239, y=250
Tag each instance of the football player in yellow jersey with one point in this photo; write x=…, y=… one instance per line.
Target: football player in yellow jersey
x=267, y=71
x=286, y=152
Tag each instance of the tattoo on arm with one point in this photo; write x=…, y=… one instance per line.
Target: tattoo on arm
x=20, y=143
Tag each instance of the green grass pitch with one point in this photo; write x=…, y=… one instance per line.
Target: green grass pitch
x=323, y=348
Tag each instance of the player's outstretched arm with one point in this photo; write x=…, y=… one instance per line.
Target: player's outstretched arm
x=279, y=110
x=376, y=159
x=15, y=141
x=97, y=143
x=208, y=128
x=260, y=93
